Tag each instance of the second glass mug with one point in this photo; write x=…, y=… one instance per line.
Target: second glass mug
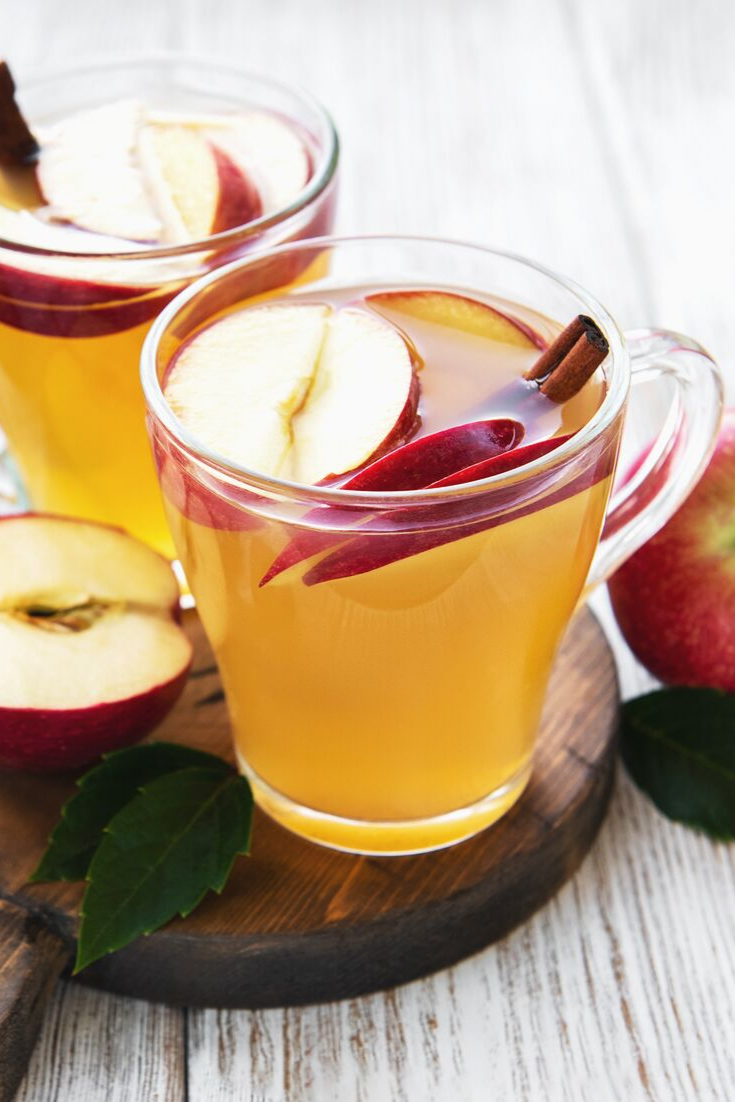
x=71, y=334
x=395, y=711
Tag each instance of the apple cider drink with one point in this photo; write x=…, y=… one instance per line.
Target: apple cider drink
x=381, y=553
x=141, y=178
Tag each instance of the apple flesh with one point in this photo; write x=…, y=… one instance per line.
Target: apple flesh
x=301, y=392
x=458, y=312
x=91, y=654
x=674, y=599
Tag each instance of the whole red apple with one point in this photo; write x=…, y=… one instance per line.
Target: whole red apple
x=675, y=598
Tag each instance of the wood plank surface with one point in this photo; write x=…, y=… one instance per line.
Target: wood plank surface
x=596, y=137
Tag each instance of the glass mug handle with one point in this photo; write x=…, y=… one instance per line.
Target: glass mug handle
x=678, y=455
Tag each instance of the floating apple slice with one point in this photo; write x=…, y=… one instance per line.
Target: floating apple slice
x=89, y=174
x=419, y=464
x=270, y=153
x=296, y=391
x=362, y=400
x=365, y=552
x=91, y=655
x=416, y=466
x=197, y=189
x=458, y=312
x=500, y=464
x=237, y=383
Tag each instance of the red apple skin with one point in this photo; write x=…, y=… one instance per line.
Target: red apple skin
x=79, y=322
x=506, y=461
x=41, y=740
x=50, y=290
x=674, y=599
x=239, y=201
x=422, y=462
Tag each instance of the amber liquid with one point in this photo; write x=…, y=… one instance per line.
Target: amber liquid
x=396, y=710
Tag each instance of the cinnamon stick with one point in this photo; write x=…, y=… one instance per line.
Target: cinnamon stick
x=572, y=359
x=17, y=144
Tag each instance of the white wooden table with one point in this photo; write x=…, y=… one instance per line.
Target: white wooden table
x=598, y=138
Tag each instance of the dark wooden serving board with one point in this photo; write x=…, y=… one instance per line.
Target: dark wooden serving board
x=298, y=923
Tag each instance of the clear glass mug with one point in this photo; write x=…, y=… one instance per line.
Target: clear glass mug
x=385, y=691
x=72, y=326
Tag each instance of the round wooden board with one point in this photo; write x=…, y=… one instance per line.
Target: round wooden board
x=298, y=923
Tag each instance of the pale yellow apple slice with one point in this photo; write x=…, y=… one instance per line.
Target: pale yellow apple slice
x=296, y=391
x=91, y=654
x=237, y=384
x=458, y=312
x=362, y=400
x=89, y=174
x=196, y=188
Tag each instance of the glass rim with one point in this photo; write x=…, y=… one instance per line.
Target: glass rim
x=323, y=172
x=618, y=378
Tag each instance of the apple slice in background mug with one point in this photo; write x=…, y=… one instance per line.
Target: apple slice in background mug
x=123, y=171
x=198, y=189
x=91, y=653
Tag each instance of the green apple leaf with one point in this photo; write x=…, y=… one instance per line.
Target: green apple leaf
x=173, y=842
x=103, y=791
x=679, y=747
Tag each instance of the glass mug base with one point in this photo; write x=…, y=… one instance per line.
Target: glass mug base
x=391, y=838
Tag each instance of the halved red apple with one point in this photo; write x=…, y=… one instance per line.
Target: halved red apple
x=301, y=391
x=458, y=312
x=91, y=654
